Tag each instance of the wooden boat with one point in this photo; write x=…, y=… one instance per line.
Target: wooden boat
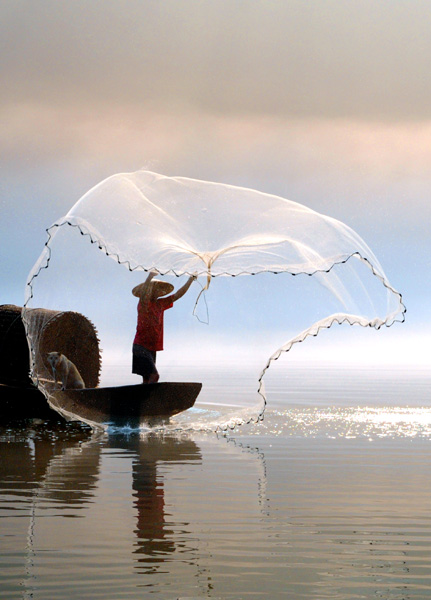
x=132, y=405
x=128, y=405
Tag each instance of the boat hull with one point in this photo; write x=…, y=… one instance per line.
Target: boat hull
x=23, y=402
x=129, y=405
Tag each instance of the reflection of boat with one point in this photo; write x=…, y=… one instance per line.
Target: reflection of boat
x=131, y=405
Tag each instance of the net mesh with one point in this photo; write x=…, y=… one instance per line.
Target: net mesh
x=142, y=221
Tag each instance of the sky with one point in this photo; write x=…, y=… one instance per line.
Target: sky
x=327, y=103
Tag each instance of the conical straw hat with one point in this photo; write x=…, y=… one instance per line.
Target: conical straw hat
x=161, y=288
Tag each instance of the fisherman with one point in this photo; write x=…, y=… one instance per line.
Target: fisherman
x=153, y=301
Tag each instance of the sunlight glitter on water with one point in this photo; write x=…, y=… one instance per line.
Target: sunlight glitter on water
x=348, y=422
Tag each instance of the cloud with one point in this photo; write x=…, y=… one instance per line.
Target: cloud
x=322, y=58
x=295, y=147
x=324, y=102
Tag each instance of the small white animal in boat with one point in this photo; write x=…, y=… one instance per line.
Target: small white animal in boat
x=66, y=371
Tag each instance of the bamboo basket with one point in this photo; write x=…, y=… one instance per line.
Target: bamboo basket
x=67, y=332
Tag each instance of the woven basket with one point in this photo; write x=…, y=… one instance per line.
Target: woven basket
x=69, y=333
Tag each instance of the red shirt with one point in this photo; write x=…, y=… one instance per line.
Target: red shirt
x=149, y=331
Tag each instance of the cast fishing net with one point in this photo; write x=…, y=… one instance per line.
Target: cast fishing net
x=271, y=273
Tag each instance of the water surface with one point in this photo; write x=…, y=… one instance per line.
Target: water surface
x=328, y=497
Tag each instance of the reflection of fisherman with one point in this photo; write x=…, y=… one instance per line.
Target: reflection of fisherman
x=155, y=539
x=149, y=331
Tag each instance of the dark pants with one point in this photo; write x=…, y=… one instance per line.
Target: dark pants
x=144, y=362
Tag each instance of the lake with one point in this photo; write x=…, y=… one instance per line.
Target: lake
x=328, y=497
